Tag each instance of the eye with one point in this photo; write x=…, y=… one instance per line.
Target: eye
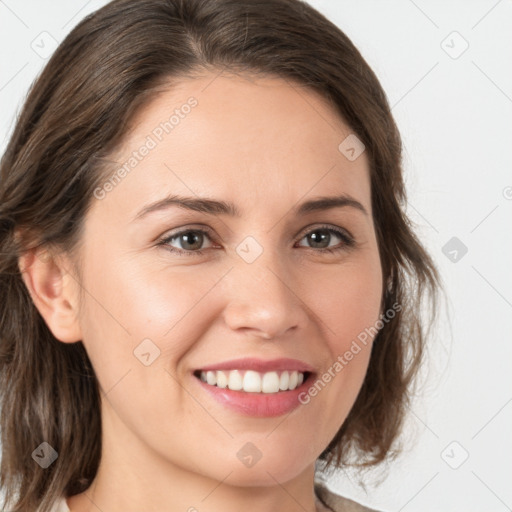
x=321, y=237
x=189, y=241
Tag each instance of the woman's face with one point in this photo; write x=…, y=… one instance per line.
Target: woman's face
x=171, y=291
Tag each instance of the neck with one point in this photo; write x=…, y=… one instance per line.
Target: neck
x=138, y=478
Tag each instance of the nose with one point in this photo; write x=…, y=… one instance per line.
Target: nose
x=264, y=298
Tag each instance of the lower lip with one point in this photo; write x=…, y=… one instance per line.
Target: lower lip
x=262, y=405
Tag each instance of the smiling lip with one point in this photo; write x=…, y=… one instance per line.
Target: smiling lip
x=259, y=365
x=258, y=404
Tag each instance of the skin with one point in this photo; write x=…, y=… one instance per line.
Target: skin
x=266, y=146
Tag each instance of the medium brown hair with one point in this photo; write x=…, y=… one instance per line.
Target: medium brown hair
x=77, y=111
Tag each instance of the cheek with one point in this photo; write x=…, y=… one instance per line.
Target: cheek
x=347, y=302
x=128, y=303
x=347, y=299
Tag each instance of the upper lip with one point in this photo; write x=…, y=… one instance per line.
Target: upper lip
x=260, y=365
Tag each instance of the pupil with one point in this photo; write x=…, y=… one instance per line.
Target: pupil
x=315, y=239
x=189, y=237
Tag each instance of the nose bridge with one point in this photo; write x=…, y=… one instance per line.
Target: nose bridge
x=262, y=296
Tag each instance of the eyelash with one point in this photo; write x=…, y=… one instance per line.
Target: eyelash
x=347, y=240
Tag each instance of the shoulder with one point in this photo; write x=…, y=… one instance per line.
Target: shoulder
x=336, y=503
x=328, y=499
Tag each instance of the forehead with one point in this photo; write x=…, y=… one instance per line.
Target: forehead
x=225, y=134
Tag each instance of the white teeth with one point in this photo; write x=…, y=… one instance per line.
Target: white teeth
x=293, y=380
x=222, y=379
x=253, y=382
x=283, y=381
x=270, y=382
x=235, y=380
x=211, y=378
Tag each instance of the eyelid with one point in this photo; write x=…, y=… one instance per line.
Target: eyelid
x=321, y=225
x=184, y=229
x=348, y=240
x=203, y=227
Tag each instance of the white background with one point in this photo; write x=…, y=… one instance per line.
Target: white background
x=455, y=116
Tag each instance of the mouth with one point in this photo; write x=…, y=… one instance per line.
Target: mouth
x=250, y=381
x=256, y=387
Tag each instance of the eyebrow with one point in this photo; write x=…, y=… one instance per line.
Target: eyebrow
x=216, y=207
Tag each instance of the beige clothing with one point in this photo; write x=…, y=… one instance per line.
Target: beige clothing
x=326, y=501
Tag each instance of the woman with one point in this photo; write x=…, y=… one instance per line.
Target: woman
x=210, y=284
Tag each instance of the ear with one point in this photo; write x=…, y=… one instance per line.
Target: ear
x=53, y=290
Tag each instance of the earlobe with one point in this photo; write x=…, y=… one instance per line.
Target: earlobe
x=53, y=292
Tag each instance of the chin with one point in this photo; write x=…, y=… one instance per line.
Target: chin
x=250, y=468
